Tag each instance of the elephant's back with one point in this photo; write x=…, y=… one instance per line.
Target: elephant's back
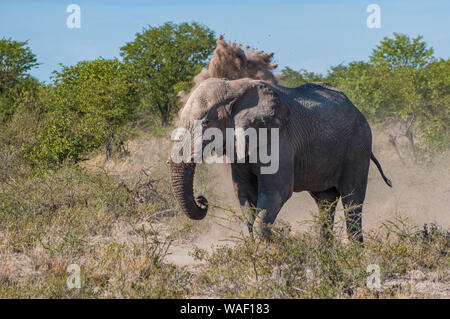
x=321, y=103
x=321, y=94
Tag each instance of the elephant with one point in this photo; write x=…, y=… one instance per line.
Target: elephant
x=325, y=147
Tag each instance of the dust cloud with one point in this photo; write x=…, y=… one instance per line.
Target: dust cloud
x=232, y=62
x=420, y=193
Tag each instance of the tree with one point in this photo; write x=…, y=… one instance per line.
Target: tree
x=402, y=51
x=88, y=105
x=16, y=86
x=404, y=56
x=16, y=59
x=435, y=100
x=291, y=78
x=165, y=60
x=396, y=85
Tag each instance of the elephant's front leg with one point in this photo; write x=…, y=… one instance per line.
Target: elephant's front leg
x=269, y=205
x=273, y=191
x=246, y=189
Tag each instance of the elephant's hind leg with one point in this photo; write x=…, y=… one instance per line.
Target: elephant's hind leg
x=353, y=182
x=327, y=202
x=353, y=192
x=353, y=215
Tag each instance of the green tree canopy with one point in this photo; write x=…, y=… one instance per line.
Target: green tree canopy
x=16, y=59
x=17, y=87
x=402, y=51
x=291, y=78
x=165, y=59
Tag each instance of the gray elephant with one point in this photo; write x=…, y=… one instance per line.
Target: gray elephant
x=325, y=147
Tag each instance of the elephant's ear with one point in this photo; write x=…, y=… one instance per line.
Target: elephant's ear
x=257, y=106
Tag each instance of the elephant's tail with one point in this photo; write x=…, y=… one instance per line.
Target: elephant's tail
x=374, y=159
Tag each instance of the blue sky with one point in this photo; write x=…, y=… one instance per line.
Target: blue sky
x=303, y=34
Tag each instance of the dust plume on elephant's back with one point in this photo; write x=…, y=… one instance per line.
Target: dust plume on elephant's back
x=231, y=62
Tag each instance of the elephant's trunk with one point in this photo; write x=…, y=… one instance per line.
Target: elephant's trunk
x=182, y=178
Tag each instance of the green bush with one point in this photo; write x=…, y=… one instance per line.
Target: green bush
x=88, y=105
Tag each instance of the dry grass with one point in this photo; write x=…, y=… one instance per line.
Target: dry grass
x=300, y=265
x=123, y=228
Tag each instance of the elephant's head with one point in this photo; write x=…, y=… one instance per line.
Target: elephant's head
x=222, y=104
